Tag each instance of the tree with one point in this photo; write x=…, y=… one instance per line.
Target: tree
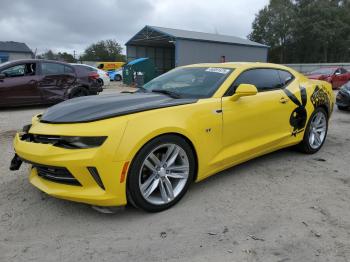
x=105, y=50
x=64, y=57
x=273, y=26
x=304, y=31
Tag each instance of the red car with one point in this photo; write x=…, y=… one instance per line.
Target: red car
x=337, y=76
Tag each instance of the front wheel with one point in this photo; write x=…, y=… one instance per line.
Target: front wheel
x=117, y=78
x=161, y=173
x=315, y=132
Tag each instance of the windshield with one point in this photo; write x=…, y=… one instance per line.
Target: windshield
x=192, y=82
x=323, y=71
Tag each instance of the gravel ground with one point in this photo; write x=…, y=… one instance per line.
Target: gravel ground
x=281, y=207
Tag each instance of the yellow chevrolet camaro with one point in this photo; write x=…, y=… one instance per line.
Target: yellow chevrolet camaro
x=147, y=147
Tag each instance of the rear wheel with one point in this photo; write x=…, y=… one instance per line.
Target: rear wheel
x=315, y=133
x=117, y=78
x=78, y=92
x=100, y=82
x=161, y=173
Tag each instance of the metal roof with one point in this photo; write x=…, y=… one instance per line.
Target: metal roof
x=10, y=46
x=199, y=36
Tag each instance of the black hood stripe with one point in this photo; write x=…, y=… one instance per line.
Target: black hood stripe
x=94, y=108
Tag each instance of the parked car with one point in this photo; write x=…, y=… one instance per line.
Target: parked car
x=107, y=66
x=29, y=82
x=343, y=97
x=146, y=148
x=337, y=76
x=103, y=75
x=116, y=75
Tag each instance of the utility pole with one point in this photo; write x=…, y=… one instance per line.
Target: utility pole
x=74, y=54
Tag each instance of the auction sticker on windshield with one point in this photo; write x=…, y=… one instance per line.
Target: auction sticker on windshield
x=223, y=71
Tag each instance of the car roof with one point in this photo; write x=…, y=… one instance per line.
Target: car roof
x=241, y=65
x=36, y=60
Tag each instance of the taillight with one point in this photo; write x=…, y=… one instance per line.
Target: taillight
x=94, y=75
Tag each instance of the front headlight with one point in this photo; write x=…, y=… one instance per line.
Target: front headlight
x=70, y=142
x=80, y=141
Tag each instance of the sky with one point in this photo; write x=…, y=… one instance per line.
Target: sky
x=67, y=25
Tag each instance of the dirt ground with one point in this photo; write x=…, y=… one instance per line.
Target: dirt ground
x=281, y=207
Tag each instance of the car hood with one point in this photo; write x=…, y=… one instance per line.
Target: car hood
x=93, y=108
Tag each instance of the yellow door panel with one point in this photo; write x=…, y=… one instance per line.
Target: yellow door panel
x=254, y=123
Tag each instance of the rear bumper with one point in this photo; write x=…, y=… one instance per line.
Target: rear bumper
x=76, y=162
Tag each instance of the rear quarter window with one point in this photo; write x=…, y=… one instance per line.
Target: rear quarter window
x=285, y=77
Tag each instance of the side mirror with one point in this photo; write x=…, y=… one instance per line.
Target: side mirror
x=2, y=76
x=244, y=90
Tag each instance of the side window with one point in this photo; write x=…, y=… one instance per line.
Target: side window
x=28, y=69
x=68, y=70
x=52, y=69
x=264, y=79
x=15, y=71
x=285, y=77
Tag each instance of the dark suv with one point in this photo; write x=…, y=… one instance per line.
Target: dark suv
x=29, y=82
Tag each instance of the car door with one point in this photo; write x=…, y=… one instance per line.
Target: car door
x=343, y=77
x=56, y=78
x=256, y=124
x=340, y=77
x=20, y=85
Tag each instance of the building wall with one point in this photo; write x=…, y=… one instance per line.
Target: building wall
x=189, y=52
x=10, y=56
x=16, y=56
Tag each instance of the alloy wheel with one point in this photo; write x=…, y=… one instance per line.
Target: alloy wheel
x=164, y=174
x=318, y=129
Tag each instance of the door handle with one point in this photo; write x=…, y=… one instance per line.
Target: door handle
x=284, y=100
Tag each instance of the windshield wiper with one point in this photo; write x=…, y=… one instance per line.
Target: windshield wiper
x=167, y=92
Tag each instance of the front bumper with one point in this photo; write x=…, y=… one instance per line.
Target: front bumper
x=79, y=163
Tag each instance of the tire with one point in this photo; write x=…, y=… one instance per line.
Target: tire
x=307, y=146
x=151, y=185
x=117, y=78
x=78, y=92
x=342, y=108
x=100, y=82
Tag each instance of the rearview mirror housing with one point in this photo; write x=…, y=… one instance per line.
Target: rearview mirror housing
x=244, y=90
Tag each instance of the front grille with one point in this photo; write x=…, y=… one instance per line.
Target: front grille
x=56, y=174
